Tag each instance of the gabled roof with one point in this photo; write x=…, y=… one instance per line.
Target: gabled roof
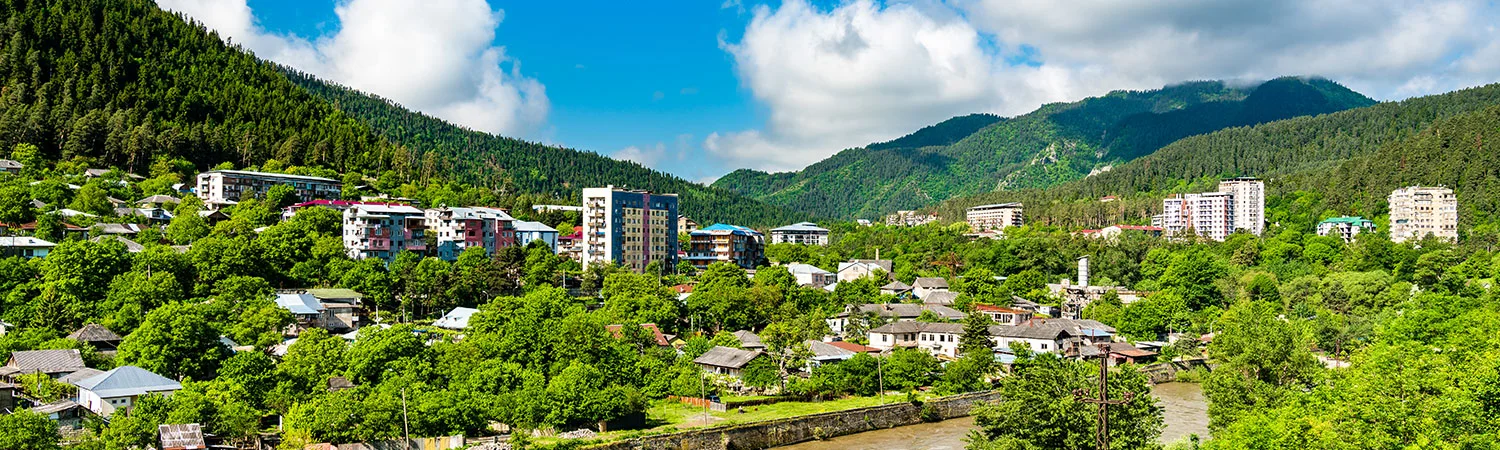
x=10, y=164
x=130, y=246
x=661, y=339
x=457, y=319
x=80, y=375
x=94, y=333
x=24, y=242
x=940, y=298
x=56, y=407
x=127, y=381
x=721, y=356
x=797, y=268
x=159, y=200
x=535, y=227
x=826, y=351
x=930, y=283
x=46, y=361
x=300, y=303
x=749, y=340
x=896, y=286
x=118, y=228
x=867, y=264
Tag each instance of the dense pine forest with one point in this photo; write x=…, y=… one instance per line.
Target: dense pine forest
x=1057, y=143
x=121, y=83
x=1335, y=164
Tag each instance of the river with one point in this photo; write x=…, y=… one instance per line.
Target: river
x=1186, y=413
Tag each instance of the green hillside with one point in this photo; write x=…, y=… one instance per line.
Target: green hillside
x=121, y=83
x=1055, y=144
x=1345, y=162
x=485, y=159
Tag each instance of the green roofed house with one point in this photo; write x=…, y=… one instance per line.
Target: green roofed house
x=1345, y=227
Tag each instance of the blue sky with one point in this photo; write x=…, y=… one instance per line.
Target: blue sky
x=698, y=88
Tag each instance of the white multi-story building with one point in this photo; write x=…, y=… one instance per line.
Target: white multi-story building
x=628, y=227
x=1417, y=212
x=994, y=217
x=456, y=229
x=1249, y=203
x=220, y=187
x=806, y=233
x=383, y=231
x=1216, y=215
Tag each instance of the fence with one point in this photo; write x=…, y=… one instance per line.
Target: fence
x=700, y=403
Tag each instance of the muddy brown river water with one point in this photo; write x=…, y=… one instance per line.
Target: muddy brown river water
x=1186, y=413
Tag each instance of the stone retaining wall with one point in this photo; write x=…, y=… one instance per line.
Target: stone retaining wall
x=1166, y=372
x=773, y=433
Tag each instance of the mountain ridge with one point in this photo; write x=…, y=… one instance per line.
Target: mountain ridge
x=1057, y=143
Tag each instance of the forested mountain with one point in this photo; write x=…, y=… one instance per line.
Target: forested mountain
x=1055, y=144
x=1346, y=162
x=122, y=83
x=486, y=159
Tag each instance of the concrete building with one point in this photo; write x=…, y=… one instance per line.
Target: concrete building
x=571, y=245
x=220, y=187
x=1239, y=204
x=686, y=224
x=1418, y=212
x=630, y=228
x=1249, y=203
x=996, y=217
x=1346, y=228
x=734, y=244
x=528, y=232
x=457, y=229
x=861, y=268
x=806, y=233
x=925, y=286
x=382, y=231
x=942, y=339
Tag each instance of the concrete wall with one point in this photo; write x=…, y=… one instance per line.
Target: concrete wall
x=760, y=435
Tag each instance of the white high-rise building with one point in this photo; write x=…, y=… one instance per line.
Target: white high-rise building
x=1240, y=204
x=1418, y=211
x=994, y=217
x=1249, y=203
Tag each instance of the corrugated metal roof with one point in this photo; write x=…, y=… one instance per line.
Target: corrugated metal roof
x=726, y=357
x=46, y=361
x=303, y=303
x=127, y=381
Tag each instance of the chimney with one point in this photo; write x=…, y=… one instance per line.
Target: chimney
x=1083, y=271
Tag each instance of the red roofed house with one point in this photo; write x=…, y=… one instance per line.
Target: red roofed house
x=616, y=330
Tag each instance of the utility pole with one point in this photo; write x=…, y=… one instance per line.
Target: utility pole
x=703, y=394
x=880, y=375
x=405, y=426
x=1101, y=434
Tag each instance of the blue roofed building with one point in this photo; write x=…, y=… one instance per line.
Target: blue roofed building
x=118, y=389
x=733, y=244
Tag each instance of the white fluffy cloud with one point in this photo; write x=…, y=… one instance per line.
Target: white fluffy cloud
x=864, y=72
x=435, y=57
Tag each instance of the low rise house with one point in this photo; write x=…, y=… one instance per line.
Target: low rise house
x=661, y=340
x=826, y=353
x=67, y=414
x=457, y=319
x=1003, y=315
x=130, y=246
x=896, y=288
x=726, y=361
x=749, y=340
x=945, y=298
x=118, y=389
x=158, y=201
x=54, y=363
x=805, y=233
x=342, y=307
x=97, y=336
x=810, y=275
x=926, y=285
x=864, y=268
x=899, y=312
x=1346, y=228
x=11, y=166
x=24, y=246
x=943, y=338
x=528, y=232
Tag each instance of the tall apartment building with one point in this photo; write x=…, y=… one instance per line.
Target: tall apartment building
x=219, y=187
x=734, y=244
x=1239, y=204
x=629, y=227
x=806, y=233
x=994, y=217
x=1417, y=212
x=1249, y=203
x=457, y=229
x=382, y=231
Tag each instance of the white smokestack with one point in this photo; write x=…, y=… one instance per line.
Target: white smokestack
x=1083, y=271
